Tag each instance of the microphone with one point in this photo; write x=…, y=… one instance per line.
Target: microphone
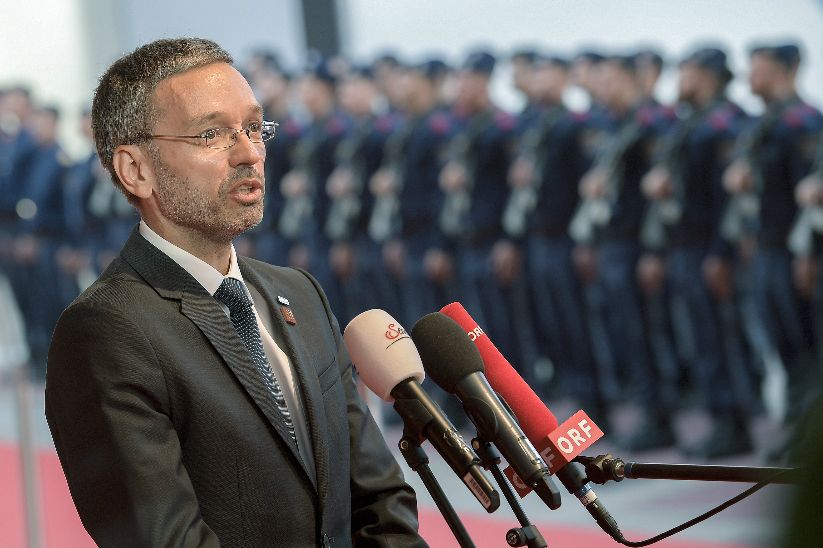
x=454, y=363
x=388, y=362
x=538, y=422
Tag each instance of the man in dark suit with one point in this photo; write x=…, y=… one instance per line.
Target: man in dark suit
x=197, y=398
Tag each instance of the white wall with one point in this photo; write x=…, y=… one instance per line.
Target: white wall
x=59, y=48
x=41, y=46
x=415, y=28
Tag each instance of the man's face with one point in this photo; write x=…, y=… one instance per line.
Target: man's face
x=549, y=82
x=216, y=194
x=471, y=86
x=688, y=81
x=615, y=83
x=357, y=95
x=317, y=96
x=764, y=72
x=270, y=86
x=522, y=73
x=581, y=74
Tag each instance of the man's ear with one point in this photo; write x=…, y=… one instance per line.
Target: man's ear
x=135, y=170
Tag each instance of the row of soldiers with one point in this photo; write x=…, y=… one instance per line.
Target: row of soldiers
x=61, y=221
x=609, y=254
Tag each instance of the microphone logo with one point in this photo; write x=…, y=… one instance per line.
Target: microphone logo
x=475, y=333
x=393, y=331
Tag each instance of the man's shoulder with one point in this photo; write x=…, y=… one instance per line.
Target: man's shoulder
x=119, y=294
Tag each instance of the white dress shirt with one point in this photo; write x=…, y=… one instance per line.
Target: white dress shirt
x=210, y=278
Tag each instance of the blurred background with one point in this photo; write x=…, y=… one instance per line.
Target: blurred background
x=626, y=195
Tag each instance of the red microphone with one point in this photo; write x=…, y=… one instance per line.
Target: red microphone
x=558, y=445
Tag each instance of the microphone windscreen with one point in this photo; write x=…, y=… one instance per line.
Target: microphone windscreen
x=534, y=417
x=448, y=355
x=382, y=352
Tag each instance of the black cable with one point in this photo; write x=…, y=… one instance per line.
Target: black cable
x=703, y=517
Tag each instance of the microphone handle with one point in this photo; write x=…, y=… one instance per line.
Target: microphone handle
x=494, y=424
x=423, y=419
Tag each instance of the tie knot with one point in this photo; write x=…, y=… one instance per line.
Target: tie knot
x=232, y=293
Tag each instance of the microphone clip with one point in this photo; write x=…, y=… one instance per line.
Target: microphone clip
x=602, y=468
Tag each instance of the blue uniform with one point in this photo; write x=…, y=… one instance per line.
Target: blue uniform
x=269, y=244
x=555, y=145
x=360, y=154
x=303, y=219
x=781, y=156
x=687, y=232
x=41, y=220
x=472, y=219
x=414, y=153
x=613, y=225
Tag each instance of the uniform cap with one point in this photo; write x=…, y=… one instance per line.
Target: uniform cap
x=481, y=62
x=711, y=59
x=433, y=68
x=546, y=60
x=787, y=55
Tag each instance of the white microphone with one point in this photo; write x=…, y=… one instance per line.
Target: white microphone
x=388, y=362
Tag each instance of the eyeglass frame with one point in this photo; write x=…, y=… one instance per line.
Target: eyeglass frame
x=264, y=125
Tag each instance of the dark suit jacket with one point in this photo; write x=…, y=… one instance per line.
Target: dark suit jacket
x=168, y=437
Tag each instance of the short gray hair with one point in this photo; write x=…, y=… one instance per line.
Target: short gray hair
x=122, y=111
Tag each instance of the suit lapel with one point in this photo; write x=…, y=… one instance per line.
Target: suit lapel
x=287, y=337
x=171, y=281
x=205, y=312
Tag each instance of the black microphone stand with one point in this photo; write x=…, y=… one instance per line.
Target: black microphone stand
x=418, y=461
x=527, y=534
x=605, y=468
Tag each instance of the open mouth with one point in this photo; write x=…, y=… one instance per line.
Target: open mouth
x=248, y=191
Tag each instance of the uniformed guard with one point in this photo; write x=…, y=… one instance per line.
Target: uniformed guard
x=359, y=154
x=273, y=86
x=407, y=197
x=547, y=168
x=776, y=154
x=75, y=257
x=682, y=229
x=17, y=147
x=474, y=181
x=649, y=66
x=306, y=204
x=599, y=126
x=522, y=64
x=609, y=219
x=586, y=74
x=40, y=230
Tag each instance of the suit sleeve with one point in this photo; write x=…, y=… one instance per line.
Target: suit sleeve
x=107, y=408
x=383, y=505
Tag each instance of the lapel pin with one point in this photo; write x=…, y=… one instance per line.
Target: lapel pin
x=288, y=315
x=283, y=300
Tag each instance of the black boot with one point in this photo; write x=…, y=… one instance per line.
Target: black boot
x=729, y=436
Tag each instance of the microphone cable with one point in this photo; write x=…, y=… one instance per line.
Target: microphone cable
x=702, y=517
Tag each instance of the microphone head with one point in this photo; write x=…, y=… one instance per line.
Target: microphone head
x=448, y=354
x=534, y=417
x=382, y=352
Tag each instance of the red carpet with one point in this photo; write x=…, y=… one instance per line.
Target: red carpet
x=60, y=523
x=62, y=527
x=489, y=531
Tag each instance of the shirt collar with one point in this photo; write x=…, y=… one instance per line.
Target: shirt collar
x=208, y=276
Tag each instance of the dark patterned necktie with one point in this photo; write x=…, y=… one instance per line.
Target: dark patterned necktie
x=241, y=313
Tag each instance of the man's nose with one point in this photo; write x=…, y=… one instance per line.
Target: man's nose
x=244, y=152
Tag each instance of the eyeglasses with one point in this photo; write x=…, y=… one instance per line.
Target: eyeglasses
x=226, y=137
